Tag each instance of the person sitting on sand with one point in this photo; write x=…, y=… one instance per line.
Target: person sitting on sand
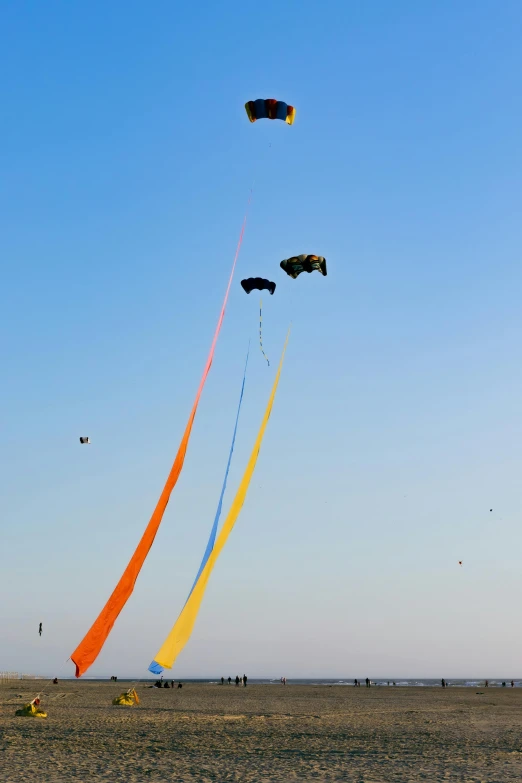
x=55, y=681
x=166, y=684
x=180, y=685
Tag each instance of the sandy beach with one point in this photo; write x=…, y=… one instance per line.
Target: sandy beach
x=262, y=733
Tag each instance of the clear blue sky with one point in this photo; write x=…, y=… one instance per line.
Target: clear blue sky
x=126, y=161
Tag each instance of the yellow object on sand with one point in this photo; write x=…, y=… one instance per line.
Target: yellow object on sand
x=31, y=710
x=127, y=699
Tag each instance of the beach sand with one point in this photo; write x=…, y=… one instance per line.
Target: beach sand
x=262, y=733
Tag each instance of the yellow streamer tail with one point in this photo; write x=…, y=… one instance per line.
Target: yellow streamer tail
x=182, y=630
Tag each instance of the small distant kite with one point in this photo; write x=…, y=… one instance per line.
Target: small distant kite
x=460, y=562
x=85, y=440
x=259, y=283
x=296, y=264
x=40, y=629
x=270, y=109
x=491, y=509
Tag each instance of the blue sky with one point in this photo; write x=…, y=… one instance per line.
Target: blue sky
x=126, y=160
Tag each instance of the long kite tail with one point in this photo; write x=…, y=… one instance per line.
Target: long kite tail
x=154, y=667
x=90, y=646
x=180, y=633
x=260, y=330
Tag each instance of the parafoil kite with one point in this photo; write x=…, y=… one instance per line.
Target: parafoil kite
x=296, y=264
x=258, y=283
x=85, y=440
x=460, y=562
x=270, y=109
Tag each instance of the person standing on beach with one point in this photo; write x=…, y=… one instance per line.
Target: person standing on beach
x=222, y=681
x=355, y=683
x=512, y=683
x=229, y=680
x=237, y=680
x=244, y=680
x=443, y=683
x=368, y=682
x=487, y=684
x=40, y=629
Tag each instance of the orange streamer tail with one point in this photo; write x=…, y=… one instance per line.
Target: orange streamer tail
x=91, y=645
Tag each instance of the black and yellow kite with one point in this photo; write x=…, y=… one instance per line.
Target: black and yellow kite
x=296, y=264
x=270, y=109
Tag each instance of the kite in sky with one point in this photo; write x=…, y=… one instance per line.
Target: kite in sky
x=296, y=264
x=270, y=109
x=258, y=283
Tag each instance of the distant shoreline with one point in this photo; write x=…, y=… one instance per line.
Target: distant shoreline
x=317, y=682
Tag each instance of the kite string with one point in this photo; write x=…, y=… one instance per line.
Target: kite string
x=261, y=331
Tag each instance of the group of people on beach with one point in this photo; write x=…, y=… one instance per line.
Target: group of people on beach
x=161, y=684
x=357, y=684
x=486, y=684
x=239, y=680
